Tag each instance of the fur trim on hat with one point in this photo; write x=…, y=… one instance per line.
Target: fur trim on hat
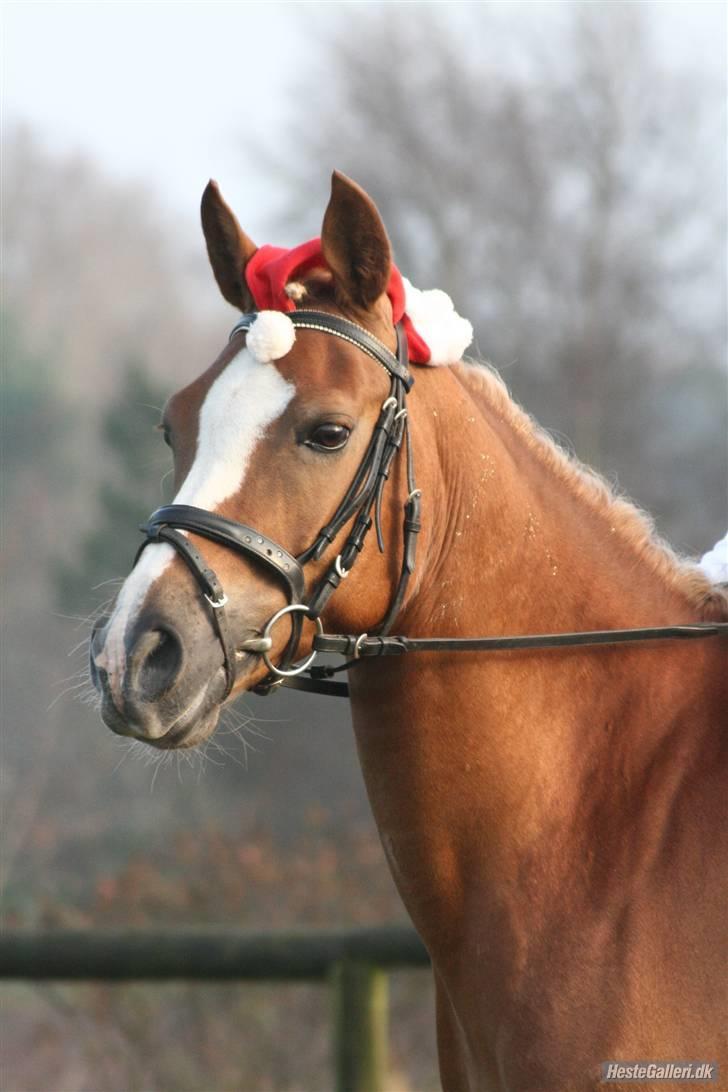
x=437, y=322
x=271, y=336
x=436, y=334
x=715, y=563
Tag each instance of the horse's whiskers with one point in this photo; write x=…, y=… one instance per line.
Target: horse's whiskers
x=76, y=648
x=114, y=580
x=77, y=676
x=80, y=686
x=90, y=697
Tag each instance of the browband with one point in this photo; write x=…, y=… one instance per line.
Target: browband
x=344, y=329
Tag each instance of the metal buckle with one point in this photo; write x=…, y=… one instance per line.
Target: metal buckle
x=340, y=570
x=358, y=644
x=304, y=664
x=216, y=604
x=254, y=644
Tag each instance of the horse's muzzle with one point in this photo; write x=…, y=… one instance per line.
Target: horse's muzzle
x=157, y=686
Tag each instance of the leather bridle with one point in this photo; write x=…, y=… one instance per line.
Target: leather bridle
x=361, y=503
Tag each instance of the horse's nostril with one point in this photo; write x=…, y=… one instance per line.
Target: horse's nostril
x=159, y=655
x=98, y=635
x=97, y=674
x=97, y=664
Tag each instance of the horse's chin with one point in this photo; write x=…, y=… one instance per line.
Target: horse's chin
x=179, y=721
x=196, y=725
x=186, y=729
x=184, y=737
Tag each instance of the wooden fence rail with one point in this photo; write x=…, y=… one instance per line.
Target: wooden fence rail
x=352, y=961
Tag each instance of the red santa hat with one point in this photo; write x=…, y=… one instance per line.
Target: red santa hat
x=436, y=334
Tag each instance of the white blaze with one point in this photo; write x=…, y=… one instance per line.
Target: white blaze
x=244, y=399
x=239, y=406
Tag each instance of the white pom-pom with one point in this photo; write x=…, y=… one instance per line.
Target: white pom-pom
x=437, y=322
x=715, y=563
x=271, y=336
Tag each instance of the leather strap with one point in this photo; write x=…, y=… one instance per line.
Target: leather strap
x=316, y=685
x=344, y=329
x=365, y=647
x=211, y=587
x=236, y=536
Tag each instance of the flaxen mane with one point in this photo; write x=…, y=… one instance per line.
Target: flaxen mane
x=624, y=518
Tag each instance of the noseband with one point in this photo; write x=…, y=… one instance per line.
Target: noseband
x=362, y=500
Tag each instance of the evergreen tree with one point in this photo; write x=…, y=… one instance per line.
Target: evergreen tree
x=133, y=487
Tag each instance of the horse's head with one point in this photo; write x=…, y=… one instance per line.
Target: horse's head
x=271, y=436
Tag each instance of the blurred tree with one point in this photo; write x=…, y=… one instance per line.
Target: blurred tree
x=568, y=192
x=127, y=495
x=94, y=278
x=29, y=424
x=95, y=271
x=92, y=275
x=35, y=425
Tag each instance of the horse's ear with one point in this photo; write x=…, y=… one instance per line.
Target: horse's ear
x=355, y=244
x=228, y=246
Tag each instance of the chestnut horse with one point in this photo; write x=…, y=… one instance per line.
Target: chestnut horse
x=556, y=820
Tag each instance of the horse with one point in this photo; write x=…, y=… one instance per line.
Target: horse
x=555, y=818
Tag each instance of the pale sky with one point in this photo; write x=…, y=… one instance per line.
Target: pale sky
x=167, y=91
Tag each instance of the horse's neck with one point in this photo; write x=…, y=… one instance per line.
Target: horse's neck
x=520, y=539
x=482, y=754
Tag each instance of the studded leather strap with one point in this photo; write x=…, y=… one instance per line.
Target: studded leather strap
x=347, y=331
x=236, y=536
x=211, y=587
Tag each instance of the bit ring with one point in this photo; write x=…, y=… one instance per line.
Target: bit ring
x=297, y=669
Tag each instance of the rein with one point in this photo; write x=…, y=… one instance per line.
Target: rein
x=362, y=500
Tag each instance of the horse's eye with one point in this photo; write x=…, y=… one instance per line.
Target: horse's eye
x=329, y=437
